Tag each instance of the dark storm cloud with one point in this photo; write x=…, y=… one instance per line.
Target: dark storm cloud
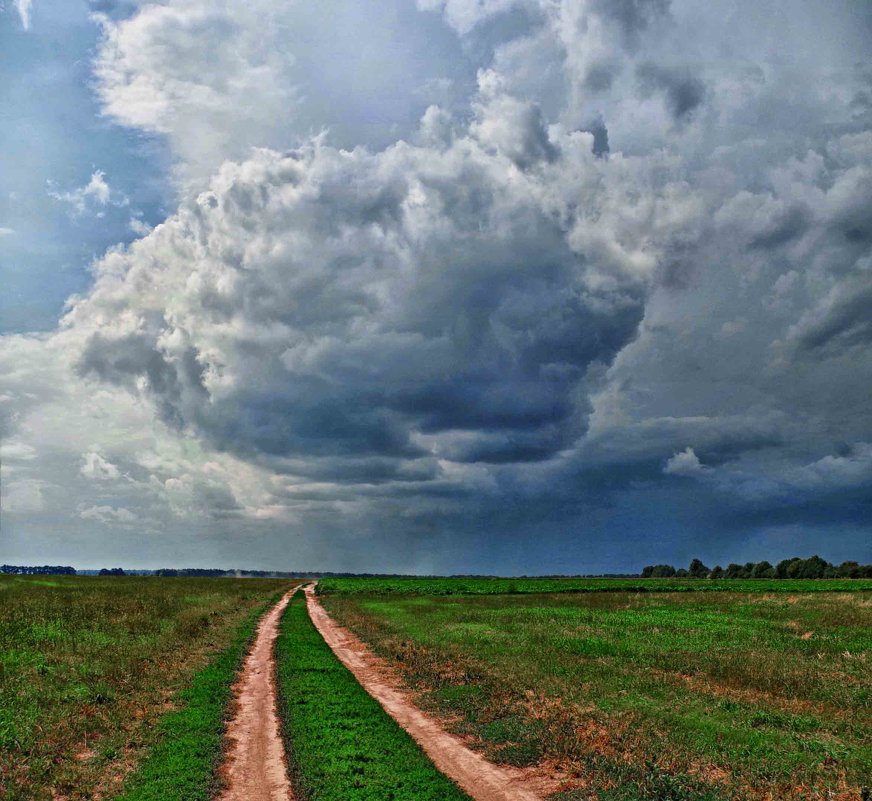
x=600, y=137
x=786, y=225
x=844, y=322
x=123, y=360
x=336, y=306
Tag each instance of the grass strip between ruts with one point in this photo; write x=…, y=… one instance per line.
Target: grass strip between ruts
x=342, y=746
x=183, y=766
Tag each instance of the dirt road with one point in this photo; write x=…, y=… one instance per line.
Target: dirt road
x=481, y=779
x=255, y=767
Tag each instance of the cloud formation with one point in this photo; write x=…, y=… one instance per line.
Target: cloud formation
x=685, y=463
x=617, y=263
x=93, y=196
x=23, y=8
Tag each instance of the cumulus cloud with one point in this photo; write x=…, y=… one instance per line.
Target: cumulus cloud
x=216, y=80
x=334, y=306
x=686, y=463
x=485, y=323
x=852, y=467
x=169, y=69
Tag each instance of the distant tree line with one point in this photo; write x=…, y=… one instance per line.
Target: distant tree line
x=796, y=568
x=216, y=572
x=42, y=570
x=112, y=571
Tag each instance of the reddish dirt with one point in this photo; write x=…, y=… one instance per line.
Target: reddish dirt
x=481, y=779
x=254, y=767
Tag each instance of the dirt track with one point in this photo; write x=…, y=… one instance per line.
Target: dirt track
x=255, y=768
x=481, y=779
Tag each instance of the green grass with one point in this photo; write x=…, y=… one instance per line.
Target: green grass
x=521, y=586
x=342, y=745
x=89, y=666
x=183, y=764
x=646, y=696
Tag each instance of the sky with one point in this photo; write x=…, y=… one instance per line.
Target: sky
x=446, y=286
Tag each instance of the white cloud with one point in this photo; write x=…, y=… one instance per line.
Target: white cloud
x=16, y=451
x=685, y=463
x=212, y=78
x=139, y=227
x=107, y=514
x=7, y=232
x=23, y=8
x=93, y=196
x=836, y=471
x=94, y=466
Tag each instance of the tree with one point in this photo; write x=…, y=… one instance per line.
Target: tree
x=785, y=567
x=697, y=569
x=734, y=571
x=658, y=571
x=717, y=572
x=763, y=570
x=813, y=567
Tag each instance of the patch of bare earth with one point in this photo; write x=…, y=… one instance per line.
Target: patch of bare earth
x=475, y=775
x=255, y=767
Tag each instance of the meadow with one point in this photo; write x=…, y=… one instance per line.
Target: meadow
x=640, y=696
x=97, y=675
x=341, y=745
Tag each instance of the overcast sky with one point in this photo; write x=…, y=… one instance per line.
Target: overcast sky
x=508, y=286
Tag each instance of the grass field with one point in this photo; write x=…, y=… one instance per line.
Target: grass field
x=341, y=745
x=522, y=586
x=88, y=666
x=643, y=696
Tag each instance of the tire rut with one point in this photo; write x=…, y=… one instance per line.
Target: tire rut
x=475, y=775
x=255, y=768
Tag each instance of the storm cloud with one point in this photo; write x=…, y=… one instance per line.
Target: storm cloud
x=604, y=297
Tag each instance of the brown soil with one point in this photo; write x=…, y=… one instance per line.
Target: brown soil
x=481, y=779
x=254, y=767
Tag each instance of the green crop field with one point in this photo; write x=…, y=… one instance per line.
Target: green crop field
x=89, y=666
x=341, y=744
x=520, y=586
x=640, y=696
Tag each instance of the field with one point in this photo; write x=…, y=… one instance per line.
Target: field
x=341, y=745
x=88, y=666
x=522, y=586
x=621, y=689
x=634, y=696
